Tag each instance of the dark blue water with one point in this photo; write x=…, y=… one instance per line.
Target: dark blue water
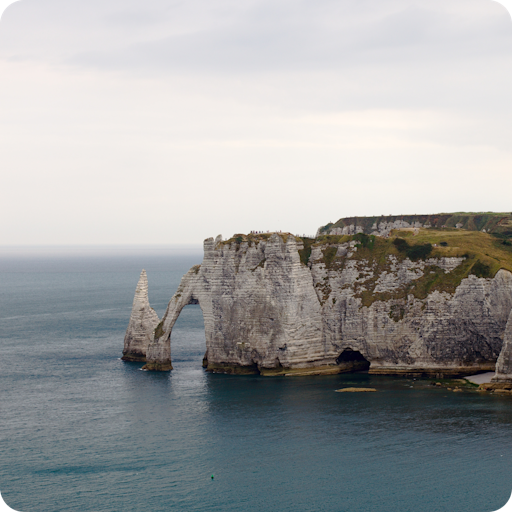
x=83, y=431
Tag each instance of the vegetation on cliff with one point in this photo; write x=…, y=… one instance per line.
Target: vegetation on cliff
x=483, y=255
x=500, y=224
x=459, y=235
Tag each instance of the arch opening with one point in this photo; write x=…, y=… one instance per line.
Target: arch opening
x=352, y=361
x=187, y=343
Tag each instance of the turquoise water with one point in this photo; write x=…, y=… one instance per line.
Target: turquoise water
x=82, y=431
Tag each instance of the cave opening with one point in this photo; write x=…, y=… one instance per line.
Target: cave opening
x=352, y=361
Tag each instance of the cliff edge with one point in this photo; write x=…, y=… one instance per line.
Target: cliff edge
x=499, y=224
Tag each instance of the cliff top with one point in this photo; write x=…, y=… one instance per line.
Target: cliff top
x=477, y=247
x=255, y=237
x=482, y=254
x=499, y=224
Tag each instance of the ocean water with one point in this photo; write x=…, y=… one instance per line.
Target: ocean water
x=81, y=430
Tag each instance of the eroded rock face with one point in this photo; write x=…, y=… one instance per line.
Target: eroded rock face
x=504, y=363
x=378, y=229
x=499, y=223
x=143, y=322
x=265, y=310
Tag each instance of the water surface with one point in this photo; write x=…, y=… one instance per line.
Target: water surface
x=83, y=431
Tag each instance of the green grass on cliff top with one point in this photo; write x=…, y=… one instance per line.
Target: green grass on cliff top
x=496, y=253
x=254, y=237
x=499, y=223
x=491, y=251
x=483, y=255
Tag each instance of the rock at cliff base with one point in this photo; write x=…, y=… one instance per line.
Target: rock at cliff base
x=496, y=386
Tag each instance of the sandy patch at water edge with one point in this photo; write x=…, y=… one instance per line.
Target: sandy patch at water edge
x=481, y=378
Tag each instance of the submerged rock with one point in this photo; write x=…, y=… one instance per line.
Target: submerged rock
x=355, y=390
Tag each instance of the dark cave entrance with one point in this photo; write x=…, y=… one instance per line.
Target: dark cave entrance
x=352, y=361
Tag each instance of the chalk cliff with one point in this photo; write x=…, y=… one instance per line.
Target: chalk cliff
x=504, y=363
x=143, y=321
x=487, y=222
x=281, y=304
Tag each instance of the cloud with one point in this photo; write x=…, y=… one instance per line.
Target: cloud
x=353, y=54
x=172, y=121
x=250, y=36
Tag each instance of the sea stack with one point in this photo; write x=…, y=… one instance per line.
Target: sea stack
x=143, y=321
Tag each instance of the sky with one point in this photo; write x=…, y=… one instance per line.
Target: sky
x=167, y=122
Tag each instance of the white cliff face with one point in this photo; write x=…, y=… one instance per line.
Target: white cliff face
x=378, y=229
x=265, y=310
x=259, y=306
x=382, y=229
x=141, y=327
x=504, y=363
x=440, y=333
x=347, y=230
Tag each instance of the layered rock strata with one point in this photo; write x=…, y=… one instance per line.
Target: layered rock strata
x=143, y=321
x=503, y=378
x=267, y=311
x=499, y=223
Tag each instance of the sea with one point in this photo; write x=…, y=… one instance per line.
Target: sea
x=81, y=430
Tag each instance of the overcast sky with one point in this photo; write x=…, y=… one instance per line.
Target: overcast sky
x=165, y=122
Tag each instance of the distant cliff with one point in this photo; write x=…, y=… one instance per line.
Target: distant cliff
x=432, y=301
x=499, y=224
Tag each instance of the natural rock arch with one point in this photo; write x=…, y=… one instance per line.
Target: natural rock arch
x=148, y=338
x=252, y=298
x=158, y=354
x=269, y=306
